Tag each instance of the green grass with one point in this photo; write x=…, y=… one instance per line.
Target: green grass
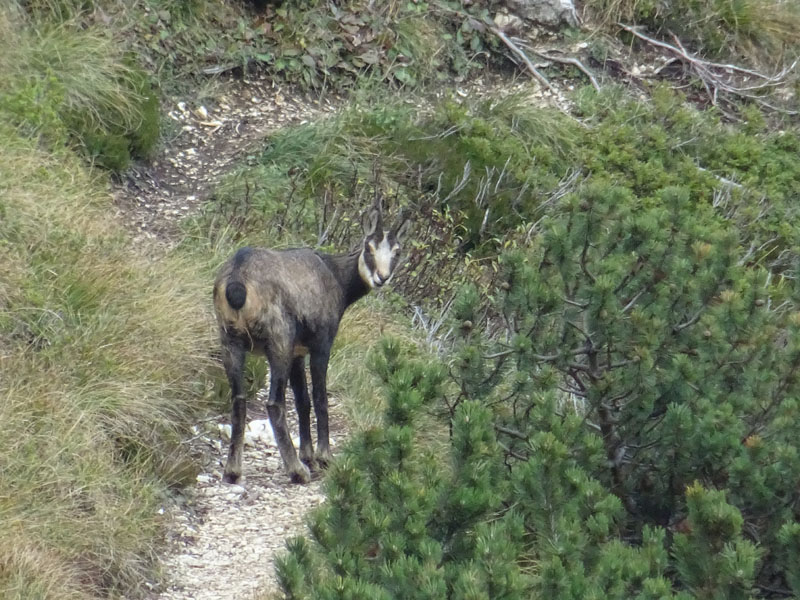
x=73, y=84
x=104, y=355
x=761, y=30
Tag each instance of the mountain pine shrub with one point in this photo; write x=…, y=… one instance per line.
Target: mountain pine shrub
x=634, y=332
x=624, y=424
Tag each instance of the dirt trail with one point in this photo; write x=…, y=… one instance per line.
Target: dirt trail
x=206, y=140
x=221, y=538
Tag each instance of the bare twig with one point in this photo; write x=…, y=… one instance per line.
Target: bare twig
x=568, y=60
x=718, y=78
x=511, y=432
x=458, y=186
x=524, y=58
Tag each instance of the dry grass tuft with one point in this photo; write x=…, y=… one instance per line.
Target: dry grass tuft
x=104, y=357
x=762, y=31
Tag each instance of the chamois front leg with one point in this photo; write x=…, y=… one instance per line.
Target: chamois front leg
x=297, y=377
x=233, y=355
x=276, y=408
x=319, y=374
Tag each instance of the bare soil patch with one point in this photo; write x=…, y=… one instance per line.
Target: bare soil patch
x=210, y=138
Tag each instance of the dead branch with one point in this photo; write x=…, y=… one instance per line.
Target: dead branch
x=718, y=78
x=524, y=58
x=569, y=60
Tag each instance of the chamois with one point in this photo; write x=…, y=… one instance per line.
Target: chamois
x=286, y=304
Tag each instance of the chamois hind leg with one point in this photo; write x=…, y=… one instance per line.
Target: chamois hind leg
x=319, y=374
x=233, y=355
x=297, y=377
x=276, y=408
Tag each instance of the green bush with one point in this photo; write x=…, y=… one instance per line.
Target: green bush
x=395, y=528
x=669, y=368
x=642, y=386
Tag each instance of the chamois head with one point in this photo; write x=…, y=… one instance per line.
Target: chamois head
x=381, y=248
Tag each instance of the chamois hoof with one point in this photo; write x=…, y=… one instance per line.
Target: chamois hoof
x=300, y=474
x=323, y=459
x=231, y=477
x=308, y=460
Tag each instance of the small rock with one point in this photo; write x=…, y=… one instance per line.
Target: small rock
x=552, y=13
x=235, y=490
x=259, y=431
x=507, y=22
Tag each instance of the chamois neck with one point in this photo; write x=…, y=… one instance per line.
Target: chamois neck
x=345, y=269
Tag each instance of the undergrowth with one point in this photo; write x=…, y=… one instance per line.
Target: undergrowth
x=478, y=173
x=758, y=30
x=315, y=44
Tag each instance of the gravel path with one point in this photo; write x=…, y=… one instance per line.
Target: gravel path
x=210, y=139
x=222, y=539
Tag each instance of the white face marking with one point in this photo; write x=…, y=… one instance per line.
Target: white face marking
x=363, y=270
x=382, y=255
x=383, y=259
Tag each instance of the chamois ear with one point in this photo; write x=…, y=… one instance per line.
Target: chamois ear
x=403, y=228
x=371, y=221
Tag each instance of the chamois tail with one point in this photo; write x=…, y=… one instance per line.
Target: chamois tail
x=235, y=294
x=235, y=291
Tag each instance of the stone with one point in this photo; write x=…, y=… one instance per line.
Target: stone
x=552, y=13
x=508, y=22
x=259, y=431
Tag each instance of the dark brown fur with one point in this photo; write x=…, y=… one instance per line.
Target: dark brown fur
x=290, y=303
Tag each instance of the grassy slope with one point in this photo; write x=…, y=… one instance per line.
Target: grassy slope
x=104, y=352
